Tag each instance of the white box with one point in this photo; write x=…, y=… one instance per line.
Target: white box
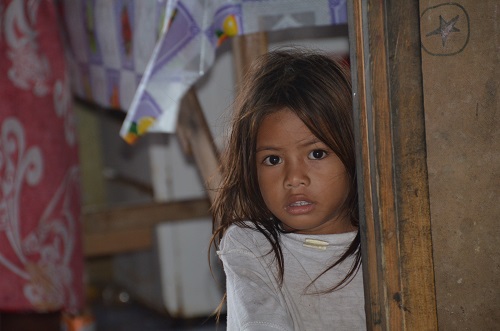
x=188, y=287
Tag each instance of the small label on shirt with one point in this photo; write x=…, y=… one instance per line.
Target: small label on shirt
x=315, y=243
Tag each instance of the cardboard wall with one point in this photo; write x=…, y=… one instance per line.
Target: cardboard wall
x=460, y=64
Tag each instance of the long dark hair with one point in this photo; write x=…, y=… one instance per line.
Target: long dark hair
x=316, y=88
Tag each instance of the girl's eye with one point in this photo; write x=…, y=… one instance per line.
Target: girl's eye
x=272, y=160
x=317, y=154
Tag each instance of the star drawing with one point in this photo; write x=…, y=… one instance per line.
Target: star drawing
x=445, y=28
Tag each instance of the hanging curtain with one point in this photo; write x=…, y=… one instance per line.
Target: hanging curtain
x=41, y=261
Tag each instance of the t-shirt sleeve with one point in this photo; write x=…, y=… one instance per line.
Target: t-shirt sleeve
x=254, y=299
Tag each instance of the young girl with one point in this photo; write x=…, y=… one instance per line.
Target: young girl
x=286, y=214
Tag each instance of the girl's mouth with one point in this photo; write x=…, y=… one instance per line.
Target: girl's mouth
x=299, y=203
x=299, y=207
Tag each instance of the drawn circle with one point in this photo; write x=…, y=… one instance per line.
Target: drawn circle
x=445, y=29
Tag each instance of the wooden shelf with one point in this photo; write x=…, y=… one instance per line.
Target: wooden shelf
x=114, y=230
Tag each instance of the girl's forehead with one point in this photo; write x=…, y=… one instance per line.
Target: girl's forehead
x=282, y=118
x=286, y=120
x=283, y=125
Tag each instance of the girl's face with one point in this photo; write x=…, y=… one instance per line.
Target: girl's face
x=302, y=181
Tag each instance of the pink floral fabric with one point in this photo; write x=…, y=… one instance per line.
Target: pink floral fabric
x=41, y=261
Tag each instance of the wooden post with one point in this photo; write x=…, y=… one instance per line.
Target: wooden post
x=247, y=48
x=392, y=170
x=197, y=141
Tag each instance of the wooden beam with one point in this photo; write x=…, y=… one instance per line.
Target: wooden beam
x=197, y=141
x=121, y=229
x=392, y=172
x=102, y=244
x=246, y=48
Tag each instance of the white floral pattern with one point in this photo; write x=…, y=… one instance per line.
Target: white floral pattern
x=62, y=106
x=30, y=70
x=49, y=279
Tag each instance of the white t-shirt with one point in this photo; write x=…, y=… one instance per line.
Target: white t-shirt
x=255, y=302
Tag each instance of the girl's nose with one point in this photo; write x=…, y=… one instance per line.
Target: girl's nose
x=296, y=175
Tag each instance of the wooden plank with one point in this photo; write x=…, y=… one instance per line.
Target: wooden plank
x=394, y=201
x=122, y=229
x=246, y=49
x=461, y=70
x=197, y=141
x=368, y=240
x=108, y=243
x=418, y=298
x=129, y=217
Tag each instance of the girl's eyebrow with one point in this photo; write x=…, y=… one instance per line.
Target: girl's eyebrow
x=266, y=148
x=311, y=141
x=305, y=143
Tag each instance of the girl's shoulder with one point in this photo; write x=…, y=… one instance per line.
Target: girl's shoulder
x=244, y=237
